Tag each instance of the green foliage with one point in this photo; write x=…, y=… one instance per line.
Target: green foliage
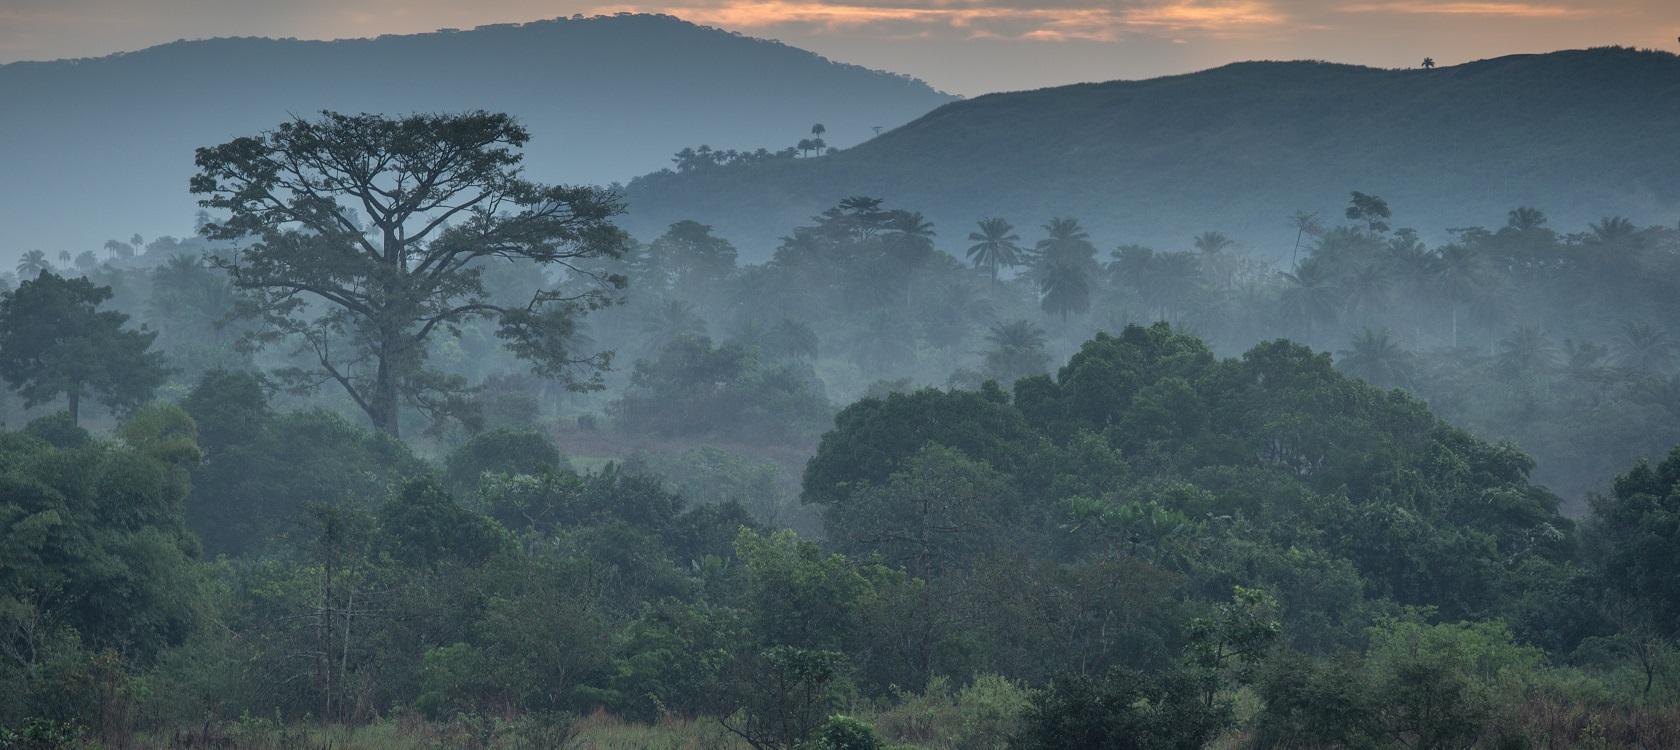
x=97, y=562
x=1122, y=710
x=983, y=715
x=262, y=469
x=938, y=512
x=56, y=341
x=1635, y=535
x=500, y=452
x=424, y=527
x=58, y=430
x=784, y=694
x=844, y=733
x=448, y=199
x=696, y=389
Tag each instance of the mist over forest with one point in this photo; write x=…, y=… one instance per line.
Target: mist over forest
x=1281, y=405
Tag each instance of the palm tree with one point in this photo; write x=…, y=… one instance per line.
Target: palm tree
x=1644, y=347
x=1305, y=224
x=1366, y=289
x=669, y=322
x=951, y=312
x=1583, y=360
x=1209, y=243
x=1526, y=351
x=1664, y=393
x=910, y=238
x=1613, y=229
x=1065, y=243
x=1174, y=282
x=32, y=264
x=1428, y=63
x=1377, y=359
x=1311, y=296
x=996, y=244
x=1525, y=219
x=1456, y=270
x=1017, y=351
x=1066, y=288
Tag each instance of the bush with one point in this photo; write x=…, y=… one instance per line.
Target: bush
x=982, y=716
x=499, y=452
x=845, y=733
x=1123, y=710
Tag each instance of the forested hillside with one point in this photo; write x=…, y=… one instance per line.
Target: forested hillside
x=408, y=450
x=609, y=97
x=1156, y=542
x=1238, y=149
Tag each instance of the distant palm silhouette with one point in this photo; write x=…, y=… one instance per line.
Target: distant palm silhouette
x=996, y=244
x=1644, y=347
x=1209, y=243
x=1377, y=359
x=1613, y=229
x=32, y=264
x=1428, y=63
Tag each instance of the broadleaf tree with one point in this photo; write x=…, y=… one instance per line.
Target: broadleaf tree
x=54, y=340
x=366, y=235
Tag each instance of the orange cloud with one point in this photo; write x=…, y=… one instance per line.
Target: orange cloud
x=1515, y=10
x=1191, y=14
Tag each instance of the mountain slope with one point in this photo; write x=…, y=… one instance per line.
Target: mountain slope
x=101, y=148
x=1580, y=134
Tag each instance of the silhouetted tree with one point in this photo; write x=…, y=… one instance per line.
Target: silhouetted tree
x=996, y=244
x=444, y=197
x=54, y=340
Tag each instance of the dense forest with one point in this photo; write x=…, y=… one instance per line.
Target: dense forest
x=406, y=450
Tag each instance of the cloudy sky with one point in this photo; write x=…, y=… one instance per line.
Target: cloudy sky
x=963, y=46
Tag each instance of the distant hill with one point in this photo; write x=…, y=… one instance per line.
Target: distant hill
x=1238, y=149
x=98, y=148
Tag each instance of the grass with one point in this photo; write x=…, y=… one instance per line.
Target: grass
x=599, y=731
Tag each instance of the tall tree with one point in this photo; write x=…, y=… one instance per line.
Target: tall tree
x=1065, y=243
x=1369, y=209
x=1305, y=223
x=444, y=198
x=1066, y=288
x=1378, y=359
x=996, y=244
x=688, y=257
x=1017, y=351
x=54, y=340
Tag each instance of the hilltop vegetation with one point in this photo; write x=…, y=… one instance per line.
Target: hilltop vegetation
x=1584, y=133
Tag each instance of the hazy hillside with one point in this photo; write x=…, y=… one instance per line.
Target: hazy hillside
x=101, y=148
x=1239, y=148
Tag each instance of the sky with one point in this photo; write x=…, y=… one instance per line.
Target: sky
x=965, y=47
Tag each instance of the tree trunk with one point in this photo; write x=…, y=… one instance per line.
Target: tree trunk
x=385, y=391
x=74, y=396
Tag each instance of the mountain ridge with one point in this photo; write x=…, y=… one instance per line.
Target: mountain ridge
x=1238, y=148
x=605, y=98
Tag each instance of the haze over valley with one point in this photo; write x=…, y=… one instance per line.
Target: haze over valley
x=623, y=381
